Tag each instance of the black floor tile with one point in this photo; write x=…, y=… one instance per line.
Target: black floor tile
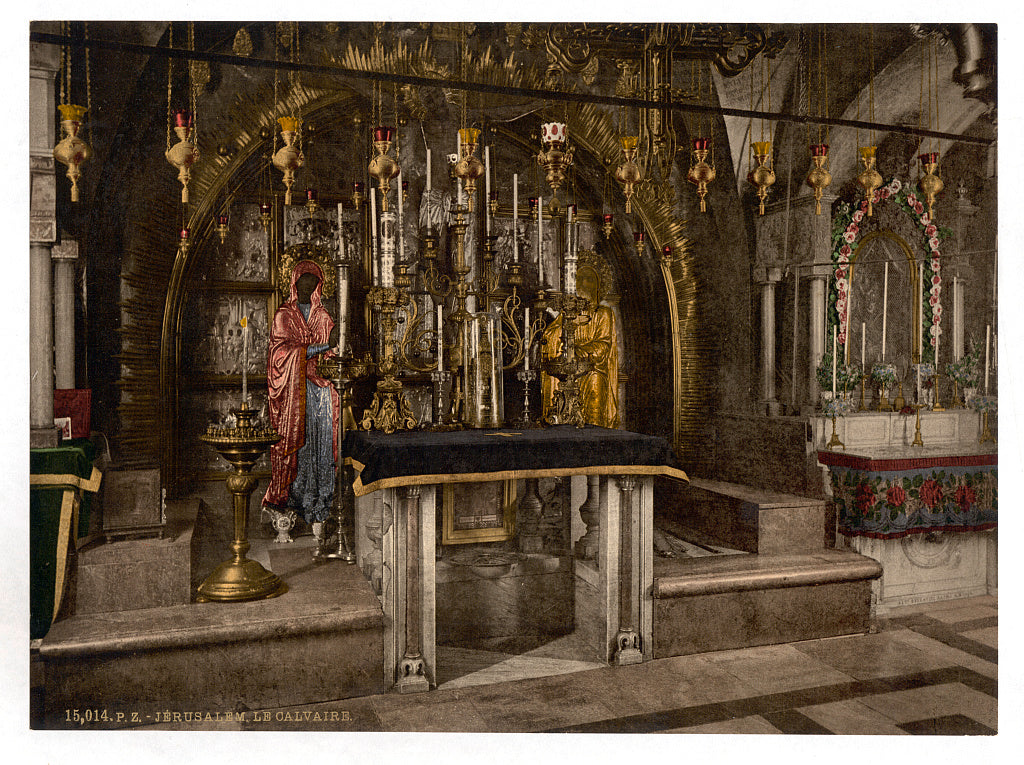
x=791, y=721
x=949, y=725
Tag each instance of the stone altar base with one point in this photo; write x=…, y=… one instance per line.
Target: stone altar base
x=320, y=641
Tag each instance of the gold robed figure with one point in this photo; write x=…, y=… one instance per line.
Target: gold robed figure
x=595, y=342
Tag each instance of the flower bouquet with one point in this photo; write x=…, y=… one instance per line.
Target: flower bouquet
x=983, y=404
x=847, y=375
x=838, y=407
x=884, y=374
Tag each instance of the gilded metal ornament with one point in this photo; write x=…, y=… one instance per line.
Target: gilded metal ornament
x=469, y=168
x=555, y=157
x=819, y=178
x=762, y=176
x=869, y=179
x=382, y=166
x=931, y=184
x=289, y=157
x=701, y=173
x=629, y=173
x=72, y=151
x=183, y=154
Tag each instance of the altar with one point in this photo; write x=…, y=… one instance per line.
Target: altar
x=927, y=513
x=402, y=481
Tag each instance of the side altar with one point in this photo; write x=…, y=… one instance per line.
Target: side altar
x=399, y=481
x=928, y=513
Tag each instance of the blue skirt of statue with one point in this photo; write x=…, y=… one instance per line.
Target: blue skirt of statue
x=312, y=491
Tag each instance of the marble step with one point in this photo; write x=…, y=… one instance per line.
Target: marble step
x=739, y=601
x=320, y=641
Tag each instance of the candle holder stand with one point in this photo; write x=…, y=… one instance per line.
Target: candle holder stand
x=918, y=441
x=834, y=441
x=899, y=402
x=937, y=406
x=986, y=434
x=526, y=376
x=863, y=382
x=241, y=578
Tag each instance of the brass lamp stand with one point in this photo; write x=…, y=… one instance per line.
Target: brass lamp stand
x=241, y=578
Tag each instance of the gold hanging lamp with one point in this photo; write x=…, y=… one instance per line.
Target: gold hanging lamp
x=869, y=178
x=72, y=151
x=762, y=176
x=930, y=183
x=629, y=173
x=818, y=177
x=184, y=154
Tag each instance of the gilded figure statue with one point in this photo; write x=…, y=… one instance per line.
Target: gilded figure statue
x=596, y=342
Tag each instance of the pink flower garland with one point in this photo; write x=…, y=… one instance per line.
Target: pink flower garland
x=909, y=201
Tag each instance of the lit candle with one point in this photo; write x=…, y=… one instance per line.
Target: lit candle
x=401, y=221
x=540, y=240
x=526, y=340
x=885, y=305
x=988, y=340
x=440, y=338
x=245, y=357
x=515, y=218
x=487, y=187
x=428, y=171
x=863, y=344
x=834, y=350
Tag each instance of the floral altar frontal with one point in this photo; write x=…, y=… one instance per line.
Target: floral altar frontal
x=926, y=518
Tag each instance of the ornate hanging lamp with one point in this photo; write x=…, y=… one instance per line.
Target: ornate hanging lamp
x=819, y=178
x=762, y=176
x=555, y=156
x=629, y=173
x=383, y=166
x=469, y=168
x=869, y=179
x=289, y=157
x=701, y=173
x=184, y=154
x=931, y=184
x=72, y=151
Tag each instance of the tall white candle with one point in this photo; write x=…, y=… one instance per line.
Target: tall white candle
x=515, y=218
x=918, y=383
x=526, y=340
x=487, y=188
x=428, y=171
x=401, y=220
x=373, y=233
x=920, y=317
x=885, y=305
x=988, y=340
x=834, y=351
x=458, y=155
x=245, y=357
x=540, y=240
x=440, y=337
x=957, y=322
x=863, y=344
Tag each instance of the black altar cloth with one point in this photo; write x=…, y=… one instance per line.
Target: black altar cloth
x=383, y=460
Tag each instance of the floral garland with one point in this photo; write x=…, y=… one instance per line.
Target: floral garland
x=845, y=229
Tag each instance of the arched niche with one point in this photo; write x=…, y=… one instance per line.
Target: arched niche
x=868, y=290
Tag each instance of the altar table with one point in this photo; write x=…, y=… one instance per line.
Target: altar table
x=396, y=481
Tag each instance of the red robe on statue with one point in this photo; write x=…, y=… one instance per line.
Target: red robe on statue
x=288, y=372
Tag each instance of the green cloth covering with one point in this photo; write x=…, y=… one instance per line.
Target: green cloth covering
x=59, y=480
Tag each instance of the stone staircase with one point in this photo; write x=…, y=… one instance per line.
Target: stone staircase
x=783, y=585
x=139, y=646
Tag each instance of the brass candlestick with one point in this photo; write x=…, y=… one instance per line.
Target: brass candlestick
x=834, y=441
x=917, y=426
x=863, y=382
x=899, y=402
x=986, y=434
x=937, y=406
x=240, y=578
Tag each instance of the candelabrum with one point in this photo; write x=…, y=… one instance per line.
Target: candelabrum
x=918, y=441
x=389, y=410
x=567, y=367
x=72, y=150
x=342, y=371
x=241, y=578
x=937, y=405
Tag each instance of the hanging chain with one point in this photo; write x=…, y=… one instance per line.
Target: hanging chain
x=88, y=85
x=170, y=80
x=193, y=86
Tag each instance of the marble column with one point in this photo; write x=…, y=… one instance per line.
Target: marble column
x=767, y=277
x=43, y=65
x=628, y=649
x=410, y=676
x=590, y=512
x=65, y=256
x=816, y=336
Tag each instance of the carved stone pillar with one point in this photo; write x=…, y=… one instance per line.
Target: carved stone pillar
x=628, y=649
x=64, y=257
x=590, y=512
x=410, y=675
x=528, y=520
x=43, y=66
x=767, y=277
